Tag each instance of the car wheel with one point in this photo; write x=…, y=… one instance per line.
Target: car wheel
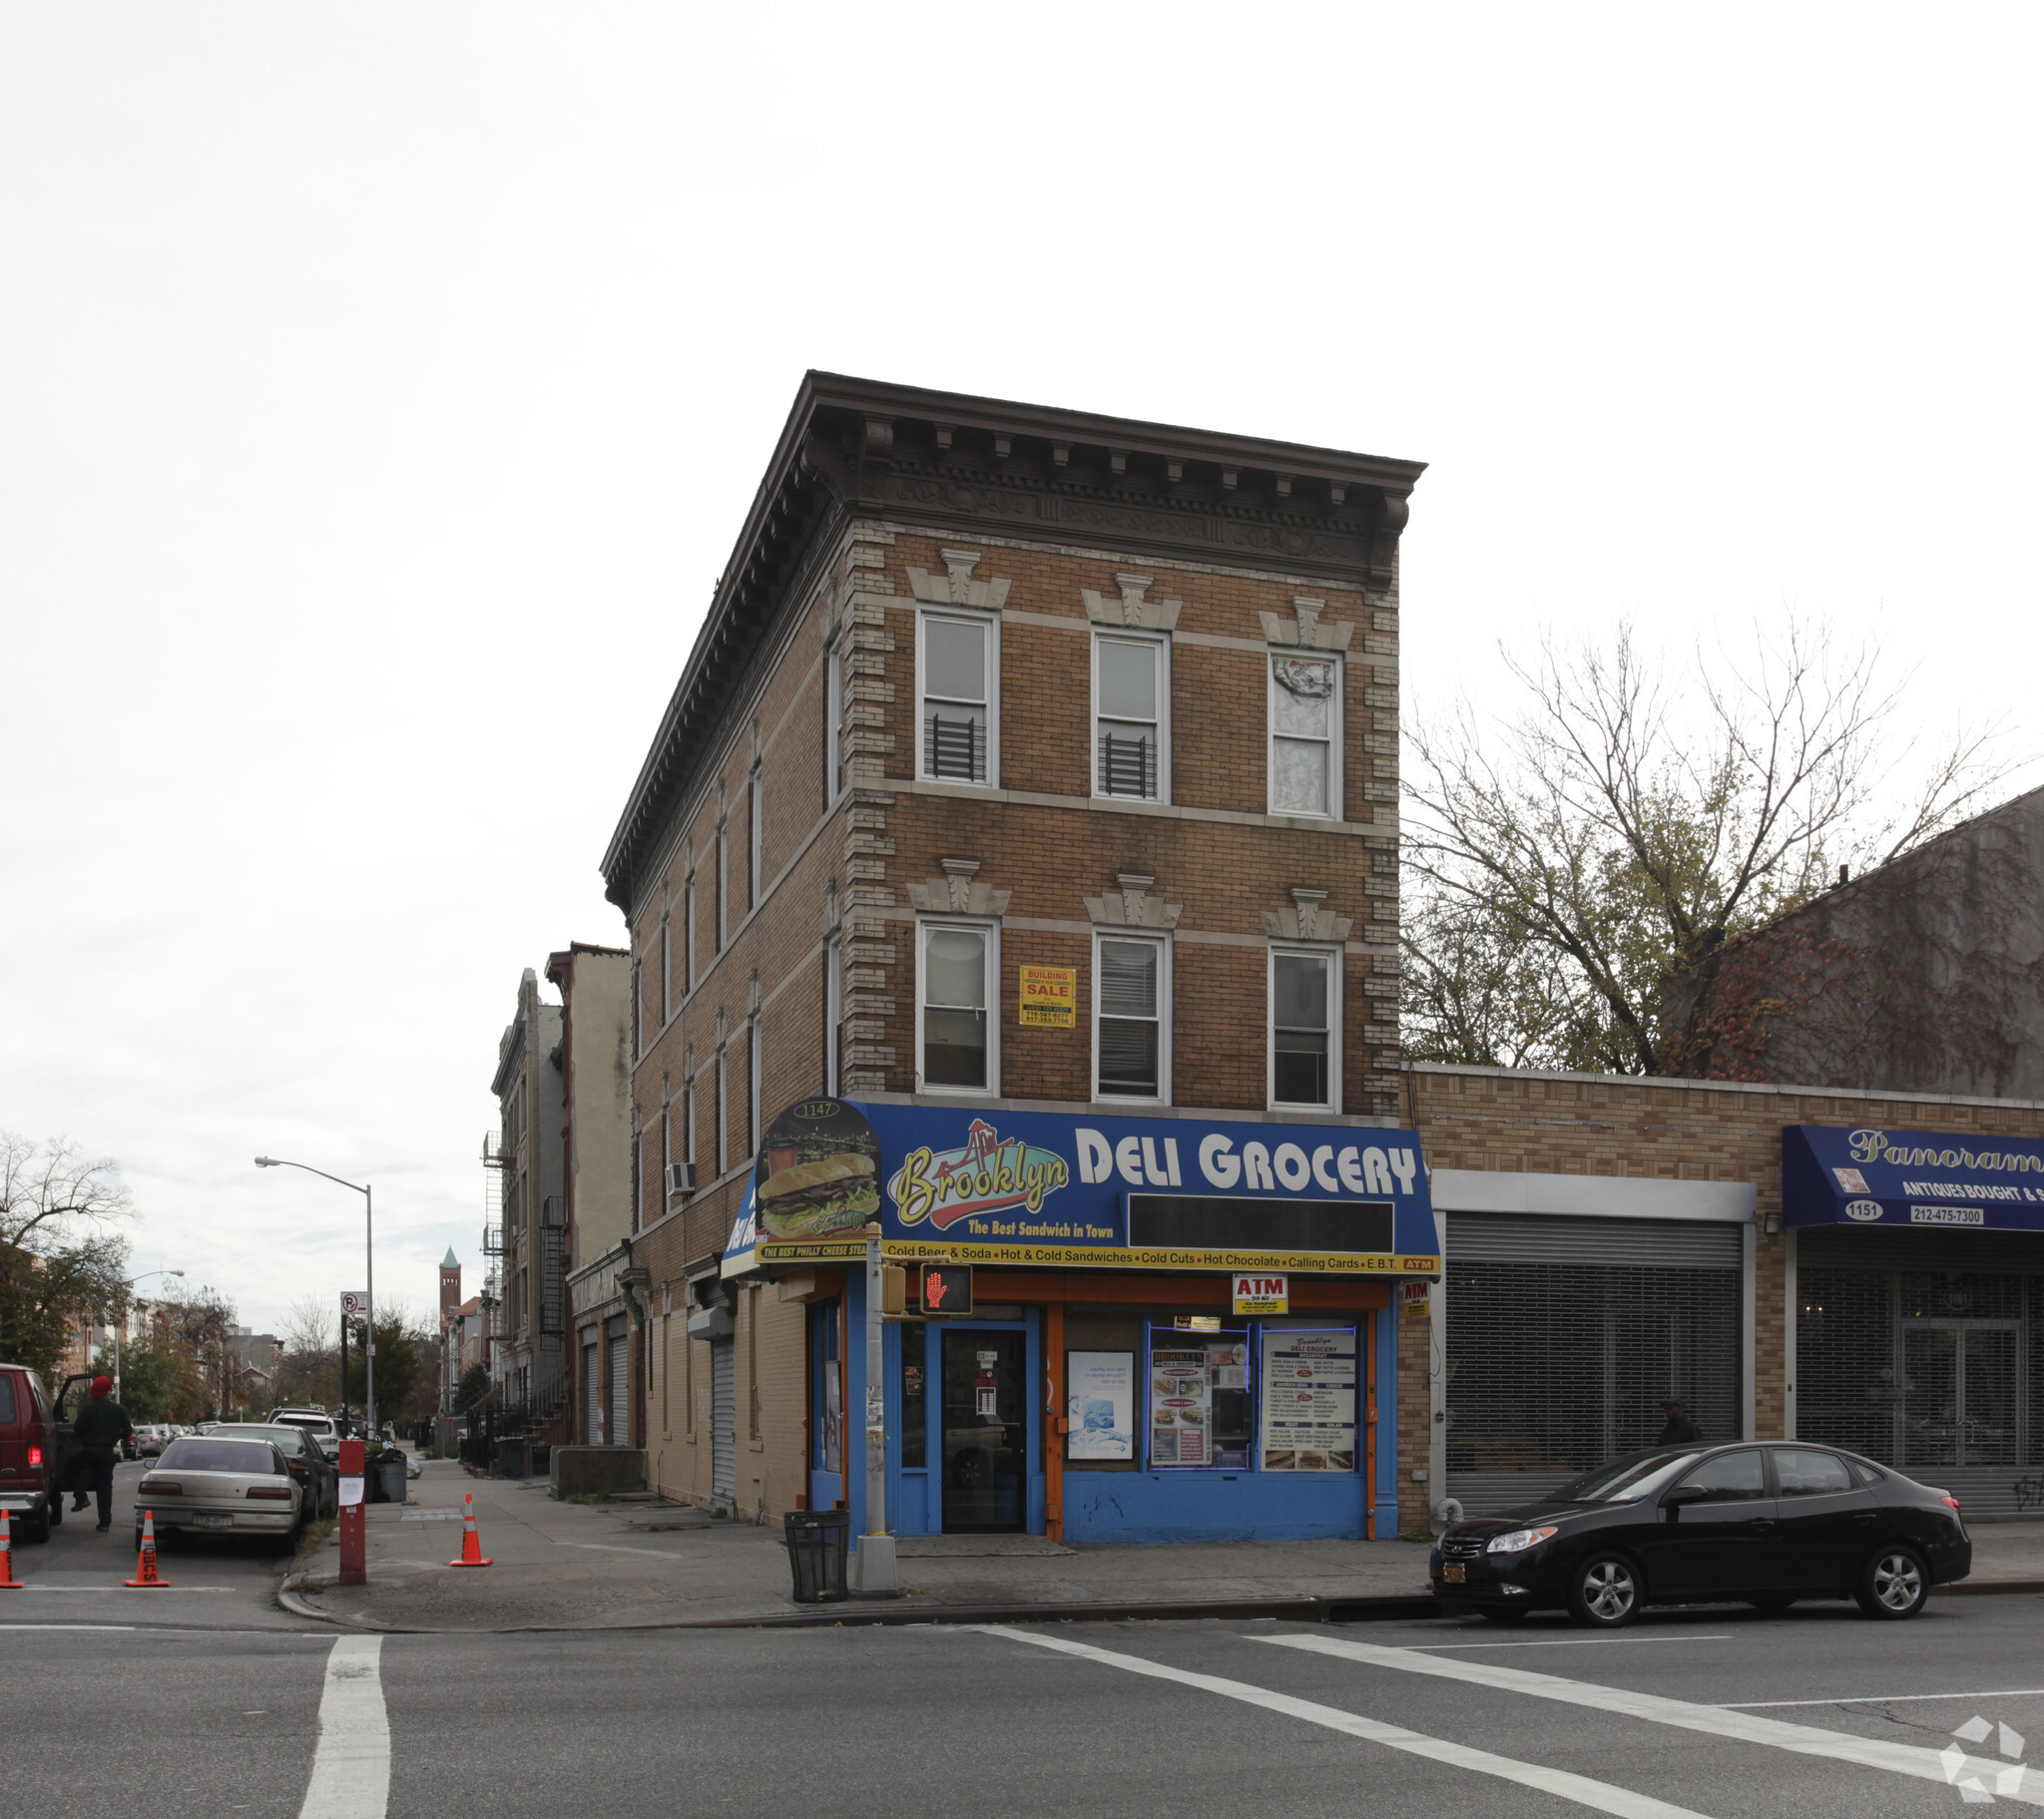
x=1494, y=1615
x=1895, y=1583
x=1604, y=1592
x=37, y=1527
x=56, y=1508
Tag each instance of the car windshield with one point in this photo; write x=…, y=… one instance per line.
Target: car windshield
x=1624, y=1479
x=286, y=1440
x=257, y=1457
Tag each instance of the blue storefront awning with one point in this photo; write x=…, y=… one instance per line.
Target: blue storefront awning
x=740, y=1250
x=1832, y=1176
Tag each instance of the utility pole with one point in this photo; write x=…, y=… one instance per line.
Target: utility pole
x=877, y=1571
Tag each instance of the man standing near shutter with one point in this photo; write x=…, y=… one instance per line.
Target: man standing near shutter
x=1680, y=1431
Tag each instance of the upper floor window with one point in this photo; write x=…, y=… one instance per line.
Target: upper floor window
x=1131, y=716
x=689, y=927
x=755, y=840
x=1303, y=1024
x=723, y=886
x=667, y=994
x=838, y=715
x=954, y=988
x=1129, y=1018
x=834, y=1016
x=1305, y=735
x=959, y=670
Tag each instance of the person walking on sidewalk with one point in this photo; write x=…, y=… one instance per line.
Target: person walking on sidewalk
x=101, y=1427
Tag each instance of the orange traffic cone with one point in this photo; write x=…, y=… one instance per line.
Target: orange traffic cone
x=145, y=1563
x=471, y=1541
x=8, y=1582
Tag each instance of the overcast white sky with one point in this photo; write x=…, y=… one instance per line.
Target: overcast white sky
x=355, y=360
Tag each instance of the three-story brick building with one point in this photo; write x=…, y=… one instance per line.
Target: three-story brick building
x=1015, y=866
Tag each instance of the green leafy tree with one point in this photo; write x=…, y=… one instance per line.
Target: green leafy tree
x=401, y=1342
x=1574, y=876
x=474, y=1385
x=156, y=1384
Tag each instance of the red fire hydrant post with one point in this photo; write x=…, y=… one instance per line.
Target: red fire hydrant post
x=354, y=1500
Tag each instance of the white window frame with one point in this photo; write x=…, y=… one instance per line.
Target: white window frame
x=755, y=840
x=1163, y=1093
x=1332, y=956
x=723, y=881
x=667, y=970
x=722, y=1114
x=838, y=704
x=834, y=1016
x=992, y=932
x=755, y=1077
x=1271, y=657
x=991, y=624
x=1162, y=644
x=688, y=924
x=688, y=1113
x=638, y=1006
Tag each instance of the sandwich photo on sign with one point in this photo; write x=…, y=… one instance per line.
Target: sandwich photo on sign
x=818, y=1173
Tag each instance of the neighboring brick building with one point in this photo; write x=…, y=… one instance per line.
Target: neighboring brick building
x=564, y=1156
x=987, y=690
x=1612, y=1241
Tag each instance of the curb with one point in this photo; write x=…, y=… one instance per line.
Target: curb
x=849, y=1615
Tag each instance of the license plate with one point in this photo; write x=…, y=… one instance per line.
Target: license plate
x=209, y=1519
x=1454, y=1575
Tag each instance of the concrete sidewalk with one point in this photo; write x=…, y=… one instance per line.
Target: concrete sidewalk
x=637, y=1565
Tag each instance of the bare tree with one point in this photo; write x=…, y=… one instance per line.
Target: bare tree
x=53, y=1195
x=1588, y=861
x=312, y=1353
x=61, y=1253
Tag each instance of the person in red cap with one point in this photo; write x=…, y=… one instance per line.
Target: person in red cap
x=101, y=1427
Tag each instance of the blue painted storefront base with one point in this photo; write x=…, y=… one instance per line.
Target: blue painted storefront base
x=1210, y=1506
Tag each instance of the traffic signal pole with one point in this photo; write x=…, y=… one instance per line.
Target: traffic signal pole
x=876, y=1569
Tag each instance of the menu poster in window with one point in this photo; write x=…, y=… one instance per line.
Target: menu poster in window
x=1309, y=1383
x=1101, y=1392
x=1179, y=1406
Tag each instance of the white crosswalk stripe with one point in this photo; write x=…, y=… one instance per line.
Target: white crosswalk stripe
x=351, y=1767
x=1712, y=1720
x=1599, y=1796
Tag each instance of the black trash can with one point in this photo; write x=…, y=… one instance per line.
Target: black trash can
x=389, y=1470
x=510, y=1459
x=818, y=1543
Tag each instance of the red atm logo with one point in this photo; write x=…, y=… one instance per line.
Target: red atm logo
x=947, y=1288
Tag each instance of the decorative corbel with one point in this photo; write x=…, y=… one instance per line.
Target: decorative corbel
x=1132, y=610
x=957, y=586
x=1307, y=920
x=1132, y=906
x=1304, y=627
x=959, y=892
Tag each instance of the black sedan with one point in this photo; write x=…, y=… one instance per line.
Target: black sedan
x=1760, y=1525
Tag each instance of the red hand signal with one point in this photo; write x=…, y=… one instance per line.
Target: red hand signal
x=934, y=1288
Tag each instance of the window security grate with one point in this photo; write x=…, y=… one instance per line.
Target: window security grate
x=1128, y=766
x=954, y=748
x=1554, y=1366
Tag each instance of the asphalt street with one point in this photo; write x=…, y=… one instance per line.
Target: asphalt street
x=1726, y=1713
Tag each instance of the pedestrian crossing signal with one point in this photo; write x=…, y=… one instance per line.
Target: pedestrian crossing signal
x=947, y=1288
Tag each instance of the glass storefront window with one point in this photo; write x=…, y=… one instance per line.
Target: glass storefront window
x=1201, y=1398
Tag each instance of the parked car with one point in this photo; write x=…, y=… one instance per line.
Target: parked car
x=206, y=1485
x=323, y=1428
x=1764, y=1525
x=150, y=1440
x=311, y=1467
x=30, y=1490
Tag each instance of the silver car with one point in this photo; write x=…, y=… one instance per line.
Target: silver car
x=203, y=1486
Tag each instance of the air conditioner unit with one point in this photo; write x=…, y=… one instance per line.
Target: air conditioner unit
x=681, y=1177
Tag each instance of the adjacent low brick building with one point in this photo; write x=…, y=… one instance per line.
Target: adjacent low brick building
x=1613, y=1243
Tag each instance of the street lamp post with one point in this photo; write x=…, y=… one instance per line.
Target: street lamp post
x=369, y=1266
x=120, y=1316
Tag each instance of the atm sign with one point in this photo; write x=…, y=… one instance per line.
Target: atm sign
x=1261, y=1295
